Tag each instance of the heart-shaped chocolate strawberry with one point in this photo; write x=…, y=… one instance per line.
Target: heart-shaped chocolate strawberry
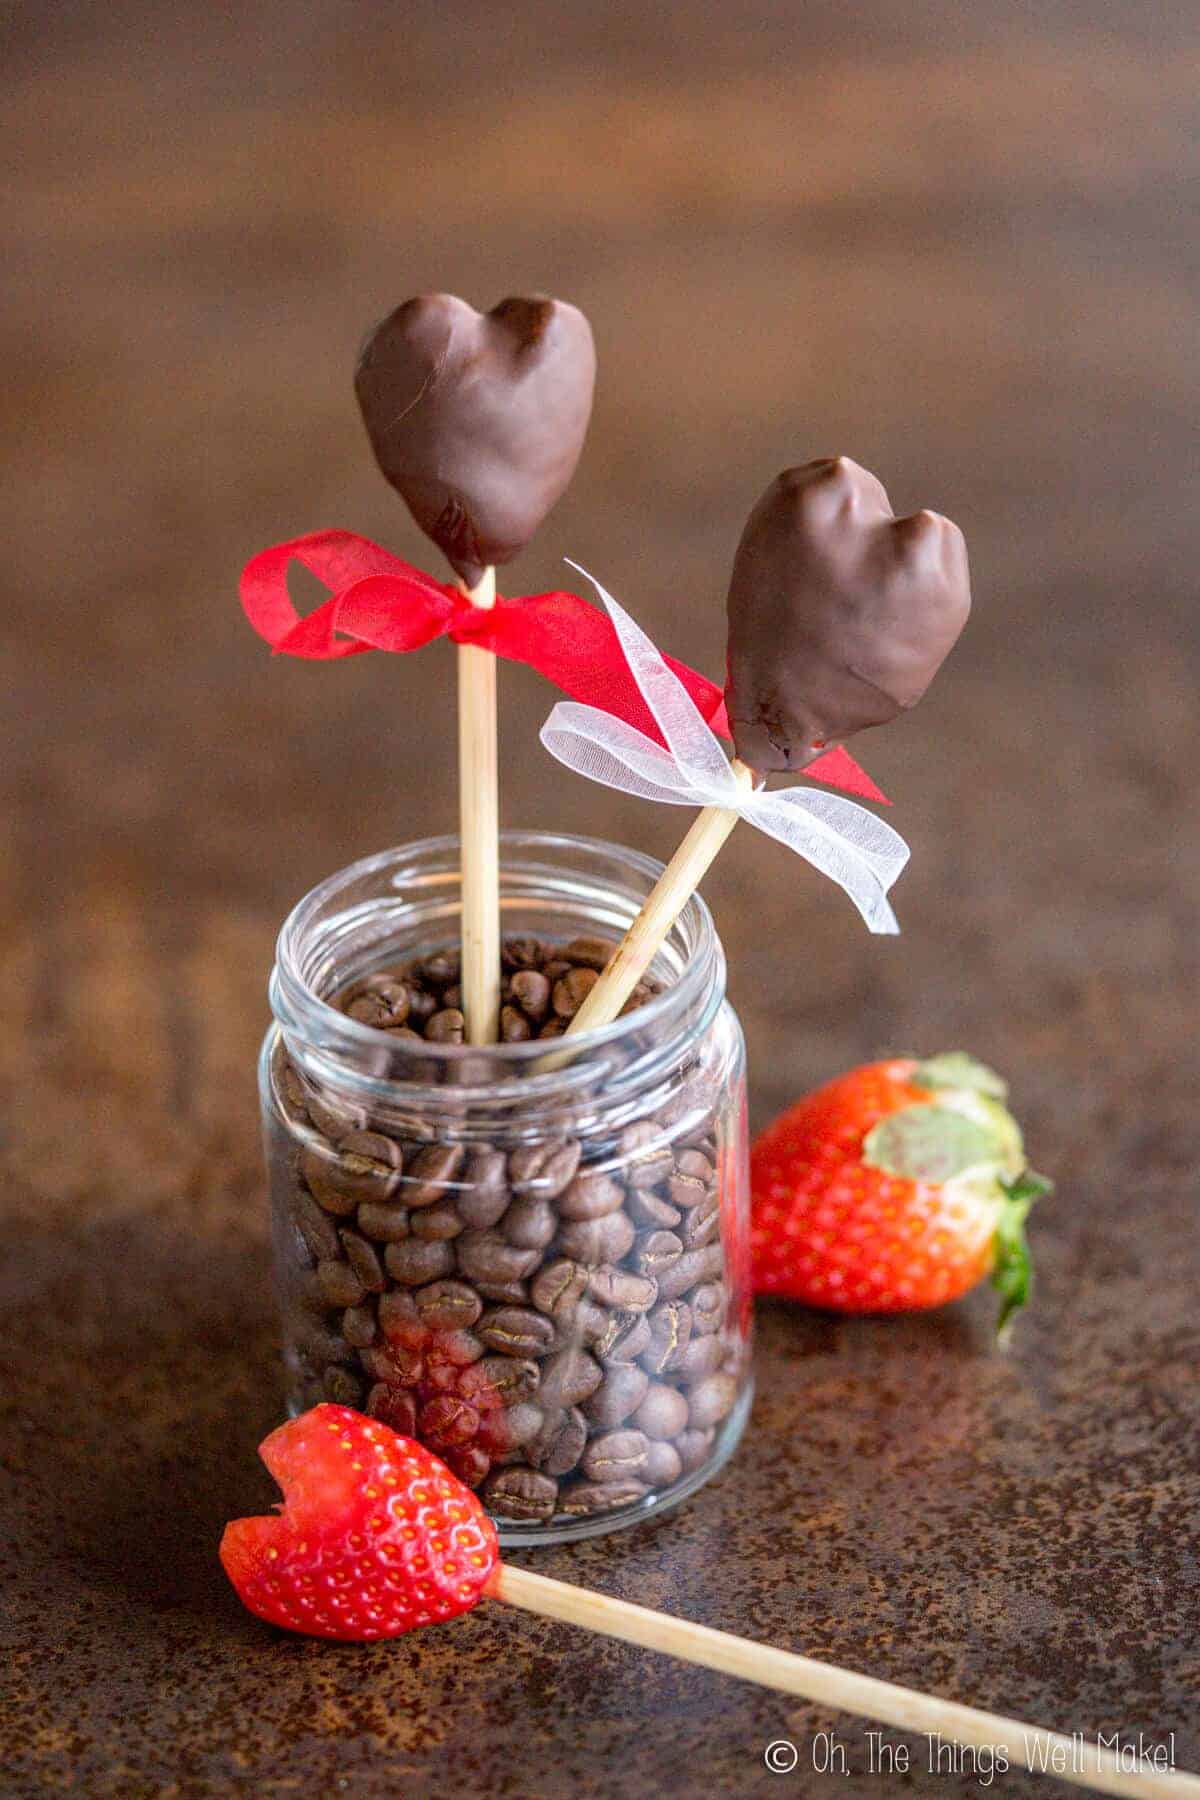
x=840, y=614
x=478, y=419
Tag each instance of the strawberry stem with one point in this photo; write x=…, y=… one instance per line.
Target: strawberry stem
x=1012, y=1269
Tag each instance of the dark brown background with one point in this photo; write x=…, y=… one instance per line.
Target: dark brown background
x=951, y=240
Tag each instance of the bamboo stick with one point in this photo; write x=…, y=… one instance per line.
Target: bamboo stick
x=479, y=826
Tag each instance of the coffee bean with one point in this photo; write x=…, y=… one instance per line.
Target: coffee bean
x=333, y=1117
x=447, y=1421
x=500, y=1381
x=446, y=1027
x=386, y=1224
x=430, y=1171
x=343, y=1388
x=442, y=967
x=421, y=1005
x=594, y=1241
x=651, y=1210
x=657, y=1251
x=338, y=1284
x=710, y=1400
x=571, y=990
x=365, y=1166
x=553, y=1028
x=699, y=1358
x=384, y=1005
x=359, y=1325
x=544, y=1168
x=670, y=1330
x=398, y=1316
x=622, y=1288
x=530, y=1222
x=558, y=1287
x=624, y=1338
x=514, y=1026
x=510, y=1428
x=364, y=1260
x=663, y=1412
x=591, y=1197
x=693, y=1448
x=702, y=1225
x=662, y=1465
x=521, y=952
x=531, y=991
x=555, y=968
x=686, y=1272
x=393, y=1406
x=648, y=1160
x=622, y=1391
x=484, y=1195
x=521, y=1493
x=517, y=1331
x=560, y=1443
x=485, y=1258
x=708, y=1307
x=583, y=1498
x=321, y=1345
x=314, y=1225
x=440, y=1221
x=415, y=1262
x=568, y=1377
x=448, y=1305
x=397, y=1365
x=695, y=1166
x=614, y=1454
x=589, y=953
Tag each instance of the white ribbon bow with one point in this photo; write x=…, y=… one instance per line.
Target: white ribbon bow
x=844, y=841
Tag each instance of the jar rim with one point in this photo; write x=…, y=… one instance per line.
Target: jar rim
x=301, y=1011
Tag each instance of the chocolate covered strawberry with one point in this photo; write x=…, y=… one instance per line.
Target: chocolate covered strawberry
x=896, y=1187
x=376, y=1535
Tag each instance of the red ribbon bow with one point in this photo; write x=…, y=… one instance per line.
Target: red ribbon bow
x=379, y=602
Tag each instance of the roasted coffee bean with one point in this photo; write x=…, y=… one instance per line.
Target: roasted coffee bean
x=398, y=1316
x=700, y=1358
x=441, y=1221
x=710, y=1400
x=430, y=1172
x=397, y=1365
x=662, y=1465
x=545, y=1168
x=384, y=1004
x=614, y=1454
x=571, y=990
x=686, y=1272
x=622, y=1288
x=470, y=1462
x=663, y=1412
x=693, y=1448
x=558, y=1287
x=648, y=1160
x=591, y=1196
x=625, y=1337
x=338, y=1284
x=702, y=1225
x=512, y=1427
x=446, y=1027
x=708, y=1308
x=555, y=968
x=485, y=1258
x=393, y=1406
x=421, y=1006
x=670, y=1330
x=514, y=1026
x=359, y=1325
x=651, y=1210
x=333, y=1117
x=500, y=1381
x=553, y=1028
x=657, y=1251
x=517, y=1331
x=521, y=1493
x=314, y=1225
x=521, y=952
x=364, y=1260
x=442, y=967
x=560, y=1443
x=365, y=1166
x=447, y=1421
x=583, y=1498
x=453, y=1345
x=586, y=1325
x=387, y=1224
x=484, y=1195
x=448, y=1305
x=343, y=1388
x=530, y=1222
x=416, y=1261
x=622, y=1391
x=568, y=1376
x=531, y=991
x=594, y=1241
x=452, y=997
x=589, y=953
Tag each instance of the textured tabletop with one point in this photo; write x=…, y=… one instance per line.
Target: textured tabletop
x=951, y=243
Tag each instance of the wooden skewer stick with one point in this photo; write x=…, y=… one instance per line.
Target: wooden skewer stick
x=479, y=828
x=670, y=894
x=1026, y=1746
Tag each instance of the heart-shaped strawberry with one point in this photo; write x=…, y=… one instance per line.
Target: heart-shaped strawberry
x=478, y=419
x=376, y=1535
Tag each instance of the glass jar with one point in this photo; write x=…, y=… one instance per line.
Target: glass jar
x=533, y=1261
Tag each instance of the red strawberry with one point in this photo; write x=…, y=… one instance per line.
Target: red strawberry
x=376, y=1535
x=896, y=1187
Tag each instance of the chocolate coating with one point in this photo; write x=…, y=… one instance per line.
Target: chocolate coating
x=840, y=614
x=478, y=419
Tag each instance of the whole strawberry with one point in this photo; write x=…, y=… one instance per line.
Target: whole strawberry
x=376, y=1535
x=896, y=1187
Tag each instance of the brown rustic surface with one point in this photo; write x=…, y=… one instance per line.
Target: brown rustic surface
x=947, y=239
